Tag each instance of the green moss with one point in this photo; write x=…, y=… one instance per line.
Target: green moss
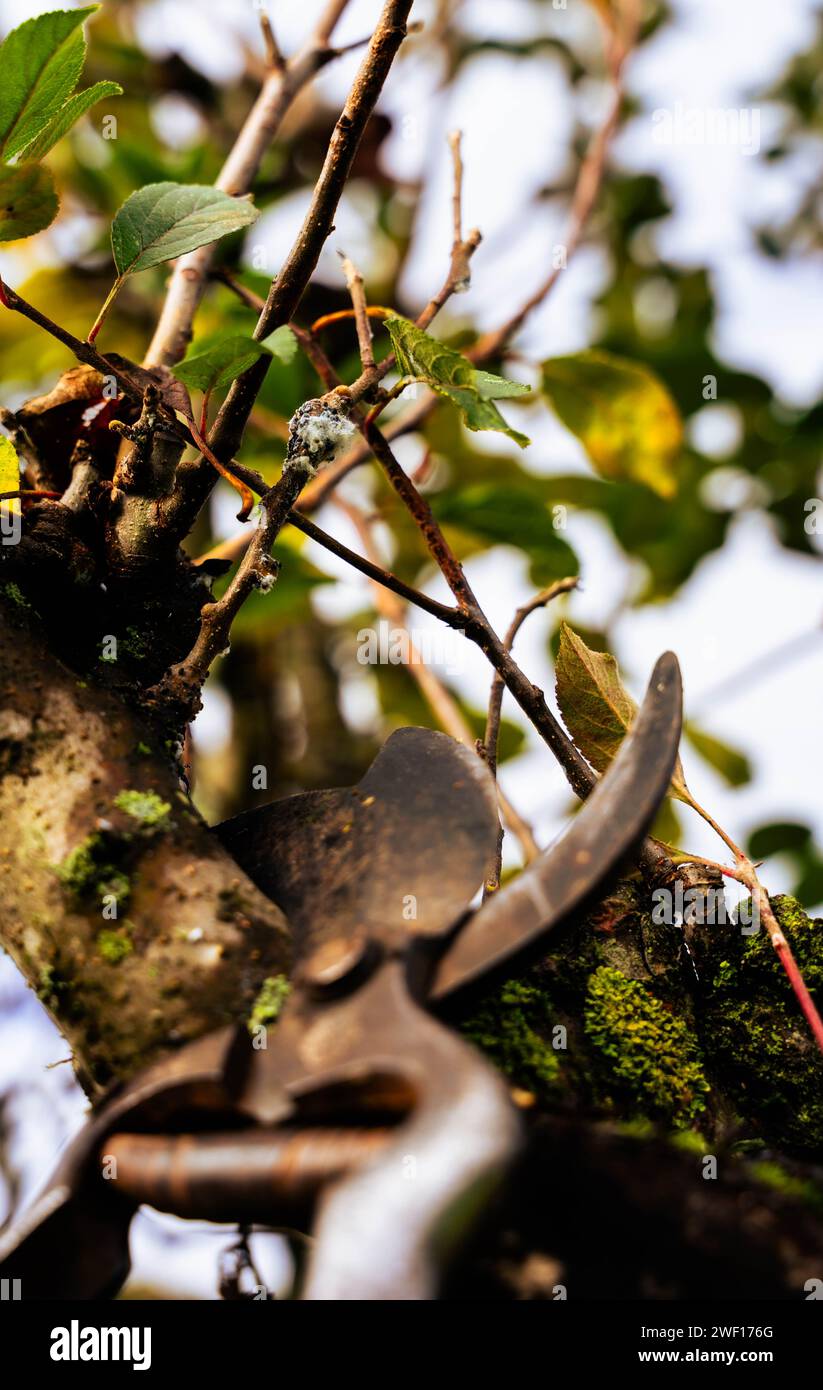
x=510, y=1027
x=115, y=944
x=143, y=749
x=773, y=1175
x=756, y=1033
x=14, y=595
x=267, y=1007
x=88, y=871
x=145, y=807
x=645, y=1051
x=134, y=644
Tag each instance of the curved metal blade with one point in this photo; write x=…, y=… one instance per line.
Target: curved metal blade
x=402, y=852
x=614, y=818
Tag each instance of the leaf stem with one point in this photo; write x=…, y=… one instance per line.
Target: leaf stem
x=104, y=310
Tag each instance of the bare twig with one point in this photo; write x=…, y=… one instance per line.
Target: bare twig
x=440, y=700
x=459, y=277
x=274, y=56
x=181, y=686
x=560, y=586
x=287, y=290
x=478, y=628
x=355, y=287
x=620, y=41
x=283, y=81
x=492, y=735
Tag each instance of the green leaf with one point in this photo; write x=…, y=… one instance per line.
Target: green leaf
x=219, y=364
x=622, y=414
x=454, y=376
x=164, y=220
x=597, y=709
x=734, y=767
x=779, y=837
x=69, y=115
x=28, y=202
x=509, y=516
x=40, y=64
x=9, y=472
x=282, y=344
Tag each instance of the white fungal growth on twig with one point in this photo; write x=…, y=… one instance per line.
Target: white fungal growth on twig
x=318, y=432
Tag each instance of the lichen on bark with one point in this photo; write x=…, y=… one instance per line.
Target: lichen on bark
x=89, y=812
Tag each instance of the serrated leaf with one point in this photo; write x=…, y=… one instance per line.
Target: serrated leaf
x=68, y=115
x=622, y=414
x=40, y=64
x=597, y=709
x=732, y=765
x=454, y=376
x=28, y=202
x=282, y=344
x=165, y=220
x=9, y=473
x=208, y=368
x=218, y=364
x=509, y=516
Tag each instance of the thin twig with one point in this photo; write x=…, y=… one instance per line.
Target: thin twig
x=540, y=600
x=478, y=628
x=235, y=548
x=620, y=42
x=282, y=83
x=274, y=56
x=439, y=699
x=180, y=687
x=288, y=288
x=492, y=734
x=356, y=289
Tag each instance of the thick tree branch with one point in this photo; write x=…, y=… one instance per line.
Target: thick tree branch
x=94, y=822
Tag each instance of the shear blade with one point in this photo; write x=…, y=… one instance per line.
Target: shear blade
x=405, y=849
x=614, y=818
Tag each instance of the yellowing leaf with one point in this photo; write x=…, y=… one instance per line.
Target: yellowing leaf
x=454, y=376
x=597, y=709
x=622, y=414
x=9, y=473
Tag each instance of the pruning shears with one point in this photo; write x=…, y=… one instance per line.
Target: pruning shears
x=360, y=1115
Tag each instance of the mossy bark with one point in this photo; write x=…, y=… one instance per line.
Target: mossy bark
x=136, y=929
x=619, y=1022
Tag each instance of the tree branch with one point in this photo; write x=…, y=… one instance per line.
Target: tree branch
x=94, y=823
x=288, y=288
x=492, y=735
x=283, y=81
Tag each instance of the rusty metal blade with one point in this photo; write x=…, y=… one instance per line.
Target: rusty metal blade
x=400, y=854
x=614, y=818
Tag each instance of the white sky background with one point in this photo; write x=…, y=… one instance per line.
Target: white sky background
x=743, y=602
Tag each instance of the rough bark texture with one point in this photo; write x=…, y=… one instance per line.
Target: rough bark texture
x=94, y=820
